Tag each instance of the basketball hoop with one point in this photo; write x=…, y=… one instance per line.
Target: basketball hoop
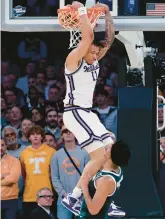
x=69, y=18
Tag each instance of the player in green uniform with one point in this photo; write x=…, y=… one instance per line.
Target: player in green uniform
x=98, y=191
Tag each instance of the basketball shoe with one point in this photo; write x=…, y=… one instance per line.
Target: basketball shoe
x=115, y=211
x=72, y=204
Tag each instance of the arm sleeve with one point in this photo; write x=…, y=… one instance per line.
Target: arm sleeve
x=14, y=175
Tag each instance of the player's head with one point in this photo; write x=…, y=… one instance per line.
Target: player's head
x=120, y=153
x=93, y=52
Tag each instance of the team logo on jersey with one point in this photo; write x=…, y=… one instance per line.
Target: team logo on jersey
x=91, y=68
x=18, y=11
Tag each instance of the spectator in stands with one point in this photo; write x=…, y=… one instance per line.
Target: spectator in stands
x=35, y=161
x=52, y=123
x=49, y=105
x=43, y=63
x=5, y=68
x=160, y=115
x=33, y=98
x=8, y=115
x=53, y=93
x=6, y=82
x=50, y=140
x=107, y=114
x=113, y=82
x=54, y=96
x=162, y=142
x=63, y=173
x=41, y=78
x=16, y=117
x=51, y=78
x=26, y=124
x=44, y=201
x=10, y=96
x=62, y=86
x=20, y=94
x=3, y=110
x=3, y=105
x=32, y=81
x=60, y=118
x=10, y=173
x=37, y=116
x=111, y=99
x=50, y=72
x=22, y=83
x=10, y=135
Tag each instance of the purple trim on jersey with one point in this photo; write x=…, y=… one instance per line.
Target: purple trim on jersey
x=92, y=136
x=72, y=88
x=66, y=74
x=70, y=108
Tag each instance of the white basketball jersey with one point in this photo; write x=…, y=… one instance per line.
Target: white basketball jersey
x=81, y=84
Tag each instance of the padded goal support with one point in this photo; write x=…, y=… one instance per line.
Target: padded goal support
x=137, y=127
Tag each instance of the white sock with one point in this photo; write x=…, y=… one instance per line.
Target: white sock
x=76, y=192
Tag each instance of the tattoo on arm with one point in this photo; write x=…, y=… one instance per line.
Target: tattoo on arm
x=110, y=35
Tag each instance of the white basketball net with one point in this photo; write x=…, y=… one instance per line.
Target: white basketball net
x=69, y=19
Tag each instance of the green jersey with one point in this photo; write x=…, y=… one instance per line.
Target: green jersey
x=103, y=214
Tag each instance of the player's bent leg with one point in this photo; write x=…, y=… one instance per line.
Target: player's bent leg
x=98, y=158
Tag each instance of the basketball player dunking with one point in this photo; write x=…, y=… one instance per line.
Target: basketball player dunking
x=81, y=73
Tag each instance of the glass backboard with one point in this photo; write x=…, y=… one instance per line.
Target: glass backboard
x=39, y=15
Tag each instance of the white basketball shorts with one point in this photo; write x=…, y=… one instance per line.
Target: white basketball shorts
x=86, y=127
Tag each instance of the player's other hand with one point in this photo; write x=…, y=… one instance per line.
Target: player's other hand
x=77, y=5
x=102, y=5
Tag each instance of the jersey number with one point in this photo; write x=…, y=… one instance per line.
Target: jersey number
x=94, y=75
x=37, y=161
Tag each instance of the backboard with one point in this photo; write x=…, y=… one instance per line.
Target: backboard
x=47, y=21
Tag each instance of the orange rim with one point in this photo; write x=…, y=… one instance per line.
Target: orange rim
x=88, y=9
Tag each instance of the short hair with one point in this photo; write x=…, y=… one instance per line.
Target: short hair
x=11, y=127
x=11, y=90
x=17, y=106
x=26, y=119
x=43, y=189
x=36, y=130
x=40, y=110
x=49, y=133
x=50, y=110
x=54, y=86
x=120, y=153
x=101, y=91
x=98, y=43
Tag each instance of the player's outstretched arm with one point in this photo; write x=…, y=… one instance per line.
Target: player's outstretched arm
x=78, y=53
x=110, y=31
